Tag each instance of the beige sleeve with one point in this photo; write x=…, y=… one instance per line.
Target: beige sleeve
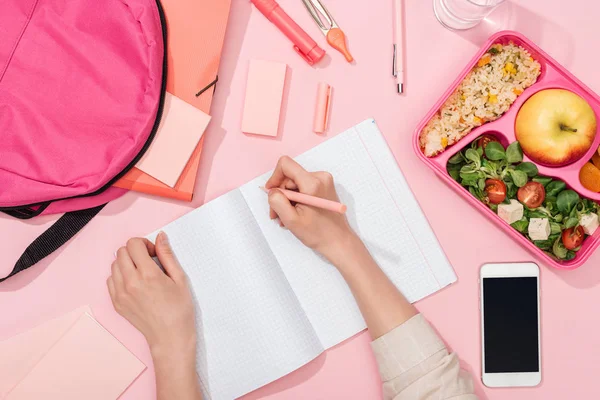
x=414, y=364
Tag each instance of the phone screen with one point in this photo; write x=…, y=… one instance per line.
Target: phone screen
x=510, y=323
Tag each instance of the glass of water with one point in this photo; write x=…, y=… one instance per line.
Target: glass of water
x=463, y=14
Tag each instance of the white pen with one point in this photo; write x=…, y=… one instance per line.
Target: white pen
x=398, y=60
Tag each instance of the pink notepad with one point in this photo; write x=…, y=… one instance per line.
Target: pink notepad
x=180, y=130
x=86, y=363
x=19, y=354
x=264, y=95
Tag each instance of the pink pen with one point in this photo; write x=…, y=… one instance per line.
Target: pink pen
x=312, y=200
x=303, y=44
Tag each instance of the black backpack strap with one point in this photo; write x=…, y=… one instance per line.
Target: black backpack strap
x=58, y=234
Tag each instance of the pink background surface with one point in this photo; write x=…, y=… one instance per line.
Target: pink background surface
x=568, y=31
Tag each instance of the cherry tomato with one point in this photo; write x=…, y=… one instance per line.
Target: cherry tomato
x=484, y=140
x=532, y=194
x=495, y=190
x=572, y=238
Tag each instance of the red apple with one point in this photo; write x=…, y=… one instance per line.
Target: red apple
x=555, y=127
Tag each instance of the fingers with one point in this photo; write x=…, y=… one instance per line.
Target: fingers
x=150, y=247
x=289, y=184
x=282, y=207
x=125, y=264
x=286, y=184
x=290, y=169
x=111, y=288
x=325, y=177
x=139, y=251
x=167, y=258
x=117, y=277
x=327, y=183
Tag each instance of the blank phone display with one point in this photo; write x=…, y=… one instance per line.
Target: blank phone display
x=510, y=313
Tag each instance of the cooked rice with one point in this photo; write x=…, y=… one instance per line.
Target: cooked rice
x=486, y=93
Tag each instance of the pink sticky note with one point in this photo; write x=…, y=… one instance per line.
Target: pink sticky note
x=19, y=354
x=180, y=130
x=86, y=363
x=264, y=95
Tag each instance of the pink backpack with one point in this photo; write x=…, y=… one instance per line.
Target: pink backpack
x=82, y=86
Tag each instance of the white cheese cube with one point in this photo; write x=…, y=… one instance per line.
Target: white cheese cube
x=512, y=212
x=590, y=223
x=539, y=228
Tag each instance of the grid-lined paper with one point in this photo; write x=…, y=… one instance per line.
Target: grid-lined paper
x=269, y=304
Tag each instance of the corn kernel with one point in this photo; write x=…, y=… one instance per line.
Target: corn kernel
x=509, y=68
x=477, y=120
x=517, y=91
x=444, y=142
x=492, y=99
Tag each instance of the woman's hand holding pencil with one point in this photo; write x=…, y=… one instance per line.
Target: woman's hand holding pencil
x=312, y=201
x=307, y=204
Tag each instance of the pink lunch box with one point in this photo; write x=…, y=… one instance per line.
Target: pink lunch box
x=552, y=76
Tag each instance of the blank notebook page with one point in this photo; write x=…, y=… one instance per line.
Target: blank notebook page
x=267, y=304
x=251, y=327
x=381, y=209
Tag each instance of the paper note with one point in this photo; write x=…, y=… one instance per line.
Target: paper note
x=19, y=354
x=267, y=303
x=264, y=95
x=180, y=130
x=86, y=363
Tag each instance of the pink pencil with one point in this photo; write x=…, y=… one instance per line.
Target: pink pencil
x=312, y=200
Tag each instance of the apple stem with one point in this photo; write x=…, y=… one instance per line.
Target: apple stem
x=566, y=128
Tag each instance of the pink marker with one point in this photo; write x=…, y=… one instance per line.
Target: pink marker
x=303, y=44
x=311, y=200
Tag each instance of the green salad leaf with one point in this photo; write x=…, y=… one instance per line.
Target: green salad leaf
x=555, y=187
x=456, y=159
x=542, y=179
x=474, y=157
x=519, y=177
x=566, y=201
x=514, y=153
x=529, y=168
x=544, y=244
x=555, y=228
x=495, y=152
x=521, y=225
x=570, y=255
x=571, y=222
x=559, y=249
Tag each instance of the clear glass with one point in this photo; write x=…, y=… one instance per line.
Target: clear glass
x=463, y=14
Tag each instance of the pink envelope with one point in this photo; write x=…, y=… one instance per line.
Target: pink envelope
x=180, y=130
x=19, y=354
x=86, y=363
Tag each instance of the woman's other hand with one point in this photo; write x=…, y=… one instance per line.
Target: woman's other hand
x=159, y=304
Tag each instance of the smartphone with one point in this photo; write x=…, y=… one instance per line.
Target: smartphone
x=510, y=325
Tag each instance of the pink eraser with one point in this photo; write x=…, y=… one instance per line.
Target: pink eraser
x=264, y=95
x=322, y=108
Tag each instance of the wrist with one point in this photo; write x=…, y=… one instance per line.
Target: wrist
x=345, y=249
x=182, y=351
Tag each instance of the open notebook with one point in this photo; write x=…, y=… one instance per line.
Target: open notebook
x=267, y=304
